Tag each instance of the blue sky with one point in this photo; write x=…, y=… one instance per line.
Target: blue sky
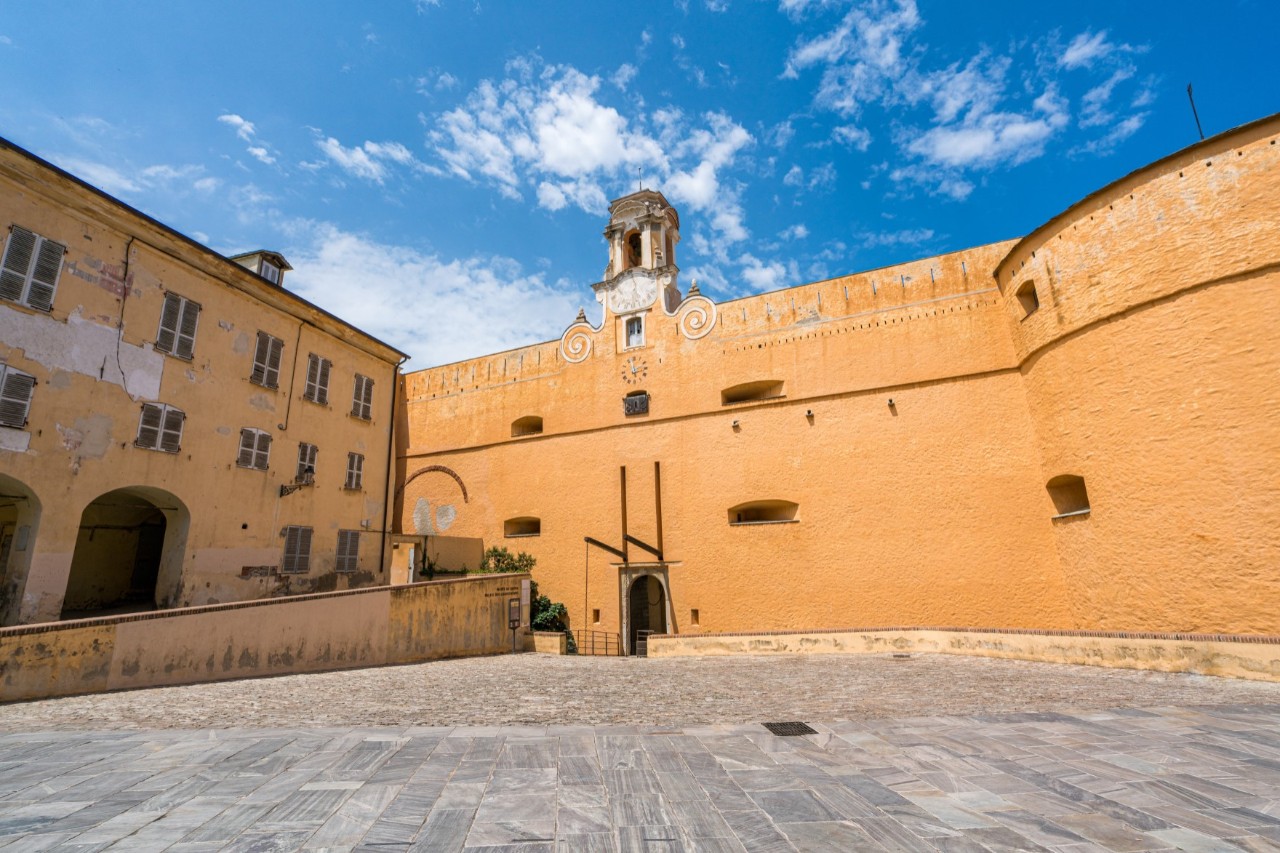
x=438, y=172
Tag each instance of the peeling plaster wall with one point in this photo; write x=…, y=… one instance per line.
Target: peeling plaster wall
x=78, y=345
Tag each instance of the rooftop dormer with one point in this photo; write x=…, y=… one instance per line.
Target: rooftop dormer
x=269, y=265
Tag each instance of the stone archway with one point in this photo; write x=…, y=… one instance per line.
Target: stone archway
x=129, y=553
x=19, y=523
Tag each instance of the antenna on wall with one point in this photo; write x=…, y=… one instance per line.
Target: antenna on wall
x=1192, y=98
x=640, y=180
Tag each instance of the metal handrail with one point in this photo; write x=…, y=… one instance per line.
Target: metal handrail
x=597, y=642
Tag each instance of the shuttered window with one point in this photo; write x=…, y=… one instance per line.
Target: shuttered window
x=255, y=449
x=317, y=389
x=297, y=550
x=30, y=269
x=306, y=463
x=178, y=320
x=160, y=428
x=348, y=550
x=355, y=471
x=362, y=400
x=266, y=361
x=16, y=390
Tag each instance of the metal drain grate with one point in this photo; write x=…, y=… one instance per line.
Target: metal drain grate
x=790, y=729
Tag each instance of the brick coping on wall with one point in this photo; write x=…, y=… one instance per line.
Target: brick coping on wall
x=1264, y=639
x=103, y=621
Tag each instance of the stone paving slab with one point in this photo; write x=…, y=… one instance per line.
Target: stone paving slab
x=1054, y=772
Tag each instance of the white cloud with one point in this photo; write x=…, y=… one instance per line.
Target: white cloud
x=820, y=178
x=624, y=75
x=905, y=237
x=1121, y=131
x=473, y=306
x=5, y=40
x=718, y=5
x=367, y=161
x=1094, y=103
x=780, y=135
x=173, y=180
x=767, y=275
x=851, y=136
x=548, y=128
x=794, y=232
x=244, y=129
x=261, y=154
x=1085, y=49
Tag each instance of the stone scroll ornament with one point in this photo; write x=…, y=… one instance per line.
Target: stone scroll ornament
x=697, y=317
x=575, y=344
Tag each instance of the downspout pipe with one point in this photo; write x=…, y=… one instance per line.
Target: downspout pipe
x=391, y=462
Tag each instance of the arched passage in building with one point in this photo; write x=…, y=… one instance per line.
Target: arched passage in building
x=646, y=611
x=129, y=553
x=19, y=522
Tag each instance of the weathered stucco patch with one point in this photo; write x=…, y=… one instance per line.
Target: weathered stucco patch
x=422, y=518
x=60, y=379
x=85, y=347
x=262, y=403
x=88, y=437
x=445, y=516
x=240, y=344
x=14, y=440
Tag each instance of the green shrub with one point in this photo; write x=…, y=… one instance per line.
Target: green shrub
x=500, y=560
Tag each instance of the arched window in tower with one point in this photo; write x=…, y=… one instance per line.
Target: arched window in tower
x=635, y=332
x=633, y=249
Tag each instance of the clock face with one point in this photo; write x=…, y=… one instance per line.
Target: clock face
x=634, y=369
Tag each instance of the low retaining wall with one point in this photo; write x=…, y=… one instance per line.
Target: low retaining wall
x=305, y=633
x=1233, y=655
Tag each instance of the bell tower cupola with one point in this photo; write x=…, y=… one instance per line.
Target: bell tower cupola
x=643, y=232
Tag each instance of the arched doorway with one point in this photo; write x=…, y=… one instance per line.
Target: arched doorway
x=128, y=555
x=19, y=521
x=647, y=608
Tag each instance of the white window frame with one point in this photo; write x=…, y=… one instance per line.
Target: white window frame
x=160, y=428
x=307, y=454
x=317, y=388
x=297, y=550
x=638, y=319
x=355, y=472
x=255, y=449
x=17, y=389
x=348, y=551
x=268, y=270
x=267, y=356
x=179, y=318
x=362, y=398
x=33, y=280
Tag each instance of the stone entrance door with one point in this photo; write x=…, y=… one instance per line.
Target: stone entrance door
x=647, y=608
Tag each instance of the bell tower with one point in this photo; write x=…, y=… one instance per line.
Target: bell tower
x=643, y=232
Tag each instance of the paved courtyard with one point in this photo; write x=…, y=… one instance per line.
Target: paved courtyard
x=532, y=753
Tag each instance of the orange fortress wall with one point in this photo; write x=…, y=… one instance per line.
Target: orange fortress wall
x=794, y=494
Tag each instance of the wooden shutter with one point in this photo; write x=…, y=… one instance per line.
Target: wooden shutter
x=260, y=354
x=170, y=315
x=187, y=328
x=355, y=470
x=171, y=430
x=44, y=276
x=322, y=383
x=273, y=362
x=149, y=426
x=262, y=451
x=348, y=550
x=248, y=439
x=297, y=550
x=313, y=377
x=16, y=389
x=17, y=263
x=306, y=458
x=368, y=398
x=356, y=395
x=362, y=399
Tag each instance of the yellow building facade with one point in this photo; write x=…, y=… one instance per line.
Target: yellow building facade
x=176, y=428
x=1073, y=430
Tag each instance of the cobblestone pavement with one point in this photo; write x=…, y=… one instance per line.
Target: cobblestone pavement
x=935, y=753
x=545, y=689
